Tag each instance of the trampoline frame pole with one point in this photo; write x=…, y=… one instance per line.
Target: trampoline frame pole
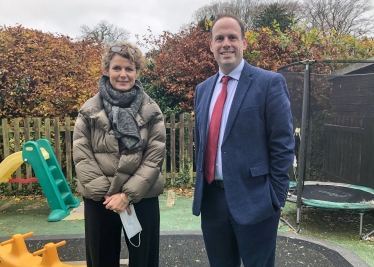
x=303, y=142
x=361, y=219
x=364, y=237
x=367, y=236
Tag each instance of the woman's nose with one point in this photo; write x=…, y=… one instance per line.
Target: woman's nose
x=122, y=73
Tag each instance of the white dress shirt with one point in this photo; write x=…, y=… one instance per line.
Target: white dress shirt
x=231, y=89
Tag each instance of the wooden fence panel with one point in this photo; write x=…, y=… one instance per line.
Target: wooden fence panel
x=367, y=160
x=179, y=150
x=344, y=150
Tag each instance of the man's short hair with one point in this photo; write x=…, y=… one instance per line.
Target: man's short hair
x=227, y=15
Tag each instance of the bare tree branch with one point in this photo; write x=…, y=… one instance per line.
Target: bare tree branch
x=344, y=16
x=104, y=33
x=246, y=10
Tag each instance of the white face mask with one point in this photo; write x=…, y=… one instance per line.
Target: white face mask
x=131, y=224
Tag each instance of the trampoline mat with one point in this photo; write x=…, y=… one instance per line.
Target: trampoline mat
x=335, y=194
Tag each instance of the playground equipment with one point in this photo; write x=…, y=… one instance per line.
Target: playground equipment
x=14, y=253
x=42, y=159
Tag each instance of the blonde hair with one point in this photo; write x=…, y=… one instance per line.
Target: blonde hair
x=137, y=58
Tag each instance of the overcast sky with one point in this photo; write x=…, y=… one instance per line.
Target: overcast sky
x=66, y=16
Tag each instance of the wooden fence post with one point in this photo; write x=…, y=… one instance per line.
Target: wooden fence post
x=164, y=170
x=190, y=147
x=47, y=129
x=172, y=148
x=181, y=143
x=68, y=143
x=5, y=128
x=37, y=133
x=26, y=125
x=56, y=129
x=17, y=147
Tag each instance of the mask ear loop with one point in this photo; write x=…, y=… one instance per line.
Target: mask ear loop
x=139, y=241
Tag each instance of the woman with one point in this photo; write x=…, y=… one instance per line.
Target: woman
x=118, y=150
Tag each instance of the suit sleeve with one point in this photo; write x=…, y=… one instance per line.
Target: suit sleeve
x=279, y=131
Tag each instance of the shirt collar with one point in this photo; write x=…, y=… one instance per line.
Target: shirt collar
x=234, y=74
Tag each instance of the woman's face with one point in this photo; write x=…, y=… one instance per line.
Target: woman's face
x=122, y=73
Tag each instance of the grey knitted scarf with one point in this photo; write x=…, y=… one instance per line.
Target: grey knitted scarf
x=121, y=108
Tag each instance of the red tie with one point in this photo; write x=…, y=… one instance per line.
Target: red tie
x=213, y=133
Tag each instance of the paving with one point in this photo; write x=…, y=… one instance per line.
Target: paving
x=181, y=242
x=187, y=249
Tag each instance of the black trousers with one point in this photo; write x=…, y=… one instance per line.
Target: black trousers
x=103, y=235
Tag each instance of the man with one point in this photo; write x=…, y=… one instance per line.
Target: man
x=243, y=153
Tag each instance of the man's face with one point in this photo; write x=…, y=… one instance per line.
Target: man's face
x=227, y=44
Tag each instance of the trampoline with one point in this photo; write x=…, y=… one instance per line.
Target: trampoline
x=327, y=195
x=340, y=196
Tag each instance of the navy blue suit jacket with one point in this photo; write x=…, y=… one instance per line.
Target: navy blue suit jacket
x=257, y=147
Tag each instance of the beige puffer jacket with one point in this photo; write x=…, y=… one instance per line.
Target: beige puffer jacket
x=102, y=170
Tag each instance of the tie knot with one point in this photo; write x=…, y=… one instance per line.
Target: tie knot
x=225, y=79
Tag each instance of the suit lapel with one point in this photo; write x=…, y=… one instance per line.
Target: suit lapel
x=244, y=83
x=207, y=93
